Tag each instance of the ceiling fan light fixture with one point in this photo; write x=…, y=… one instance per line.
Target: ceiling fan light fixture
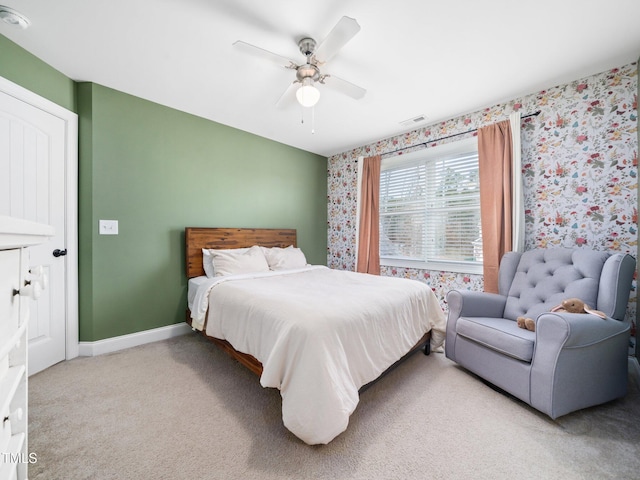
x=14, y=18
x=308, y=95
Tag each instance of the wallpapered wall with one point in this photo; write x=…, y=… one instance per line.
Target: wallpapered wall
x=580, y=167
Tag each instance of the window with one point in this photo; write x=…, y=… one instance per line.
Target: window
x=430, y=209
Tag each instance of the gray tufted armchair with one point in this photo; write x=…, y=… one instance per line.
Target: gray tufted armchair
x=572, y=360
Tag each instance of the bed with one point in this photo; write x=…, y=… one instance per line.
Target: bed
x=318, y=335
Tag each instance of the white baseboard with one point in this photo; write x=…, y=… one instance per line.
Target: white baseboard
x=109, y=345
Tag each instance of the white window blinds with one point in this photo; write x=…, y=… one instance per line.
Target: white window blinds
x=430, y=208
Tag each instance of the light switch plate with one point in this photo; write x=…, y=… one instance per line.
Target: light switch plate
x=108, y=227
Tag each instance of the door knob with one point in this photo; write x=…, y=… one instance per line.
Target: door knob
x=59, y=253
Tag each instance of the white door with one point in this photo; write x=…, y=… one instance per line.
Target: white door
x=33, y=185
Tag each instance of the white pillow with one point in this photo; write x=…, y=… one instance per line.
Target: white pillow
x=231, y=262
x=207, y=259
x=207, y=264
x=284, y=258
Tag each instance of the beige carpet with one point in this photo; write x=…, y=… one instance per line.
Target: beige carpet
x=182, y=409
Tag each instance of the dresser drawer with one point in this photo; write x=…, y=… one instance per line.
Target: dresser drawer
x=9, y=284
x=12, y=464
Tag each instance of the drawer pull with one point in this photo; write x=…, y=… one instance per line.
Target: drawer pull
x=36, y=281
x=37, y=275
x=32, y=290
x=16, y=415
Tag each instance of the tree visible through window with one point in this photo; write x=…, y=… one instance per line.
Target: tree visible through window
x=430, y=208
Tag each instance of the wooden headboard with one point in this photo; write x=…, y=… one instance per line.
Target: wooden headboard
x=198, y=238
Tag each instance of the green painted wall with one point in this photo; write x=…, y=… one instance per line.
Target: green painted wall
x=28, y=71
x=157, y=170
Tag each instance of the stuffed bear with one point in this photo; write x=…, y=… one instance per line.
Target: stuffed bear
x=571, y=305
x=526, y=323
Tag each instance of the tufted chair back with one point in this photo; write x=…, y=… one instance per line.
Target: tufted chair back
x=537, y=280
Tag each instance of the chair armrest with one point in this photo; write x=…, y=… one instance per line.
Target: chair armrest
x=579, y=360
x=472, y=304
x=475, y=304
x=571, y=330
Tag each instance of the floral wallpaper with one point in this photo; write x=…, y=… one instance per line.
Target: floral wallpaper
x=579, y=164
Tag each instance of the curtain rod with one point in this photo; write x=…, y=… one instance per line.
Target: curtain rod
x=534, y=114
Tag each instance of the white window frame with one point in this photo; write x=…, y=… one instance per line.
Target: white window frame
x=420, y=157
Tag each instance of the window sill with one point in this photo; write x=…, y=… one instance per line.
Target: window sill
x=456, y=267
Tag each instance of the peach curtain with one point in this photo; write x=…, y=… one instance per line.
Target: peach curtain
x=495, y=169
x=369, y=228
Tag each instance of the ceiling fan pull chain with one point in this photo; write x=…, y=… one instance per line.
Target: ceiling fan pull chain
x=313, y=117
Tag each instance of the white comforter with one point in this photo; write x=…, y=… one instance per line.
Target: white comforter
x=320, y=335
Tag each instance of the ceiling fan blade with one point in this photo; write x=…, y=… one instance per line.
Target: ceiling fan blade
x=288, y=97
x=264, y=54
x=342, y=32
x=342, y=86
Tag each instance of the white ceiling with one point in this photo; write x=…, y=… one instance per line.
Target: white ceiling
x=441, y=59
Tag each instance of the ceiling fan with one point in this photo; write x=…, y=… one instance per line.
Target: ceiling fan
x=310, y=73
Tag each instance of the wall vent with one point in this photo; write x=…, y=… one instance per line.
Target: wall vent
x=414, y=121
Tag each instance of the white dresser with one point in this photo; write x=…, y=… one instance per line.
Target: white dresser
x=17, y=284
